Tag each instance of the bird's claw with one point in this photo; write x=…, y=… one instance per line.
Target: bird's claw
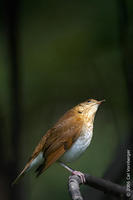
x=80, y=174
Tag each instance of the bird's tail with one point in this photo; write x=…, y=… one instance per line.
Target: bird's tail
x=23, y=172
x=33, y=162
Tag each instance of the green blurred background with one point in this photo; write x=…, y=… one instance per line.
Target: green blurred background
x=66, y=52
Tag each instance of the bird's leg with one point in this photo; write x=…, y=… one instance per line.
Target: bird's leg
x=66, y=167
x=74, y=172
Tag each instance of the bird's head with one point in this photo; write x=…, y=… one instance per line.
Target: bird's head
x=88, y=107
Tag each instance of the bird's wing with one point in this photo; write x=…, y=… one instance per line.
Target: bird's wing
x=55, y=142
x=60, y=139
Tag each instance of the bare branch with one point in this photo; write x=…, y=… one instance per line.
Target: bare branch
x=73, y=185
x=99, y=184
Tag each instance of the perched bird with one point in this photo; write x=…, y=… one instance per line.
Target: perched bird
x=66, y=140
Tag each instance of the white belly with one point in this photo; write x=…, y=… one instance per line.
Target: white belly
x=79, y=146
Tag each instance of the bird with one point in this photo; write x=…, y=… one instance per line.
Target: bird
x=65, y=141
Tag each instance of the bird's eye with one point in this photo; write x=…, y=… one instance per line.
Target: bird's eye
x=79, y=111
x=88, y=101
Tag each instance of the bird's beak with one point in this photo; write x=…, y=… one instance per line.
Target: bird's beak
x=99, y=102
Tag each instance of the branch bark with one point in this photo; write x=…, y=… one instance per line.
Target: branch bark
x=73, y=186
x=99, y=184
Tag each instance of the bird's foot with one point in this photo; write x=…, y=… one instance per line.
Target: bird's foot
x=80, y=174
x=74, y=172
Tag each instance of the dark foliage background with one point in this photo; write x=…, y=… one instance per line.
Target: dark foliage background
x=53, y=55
